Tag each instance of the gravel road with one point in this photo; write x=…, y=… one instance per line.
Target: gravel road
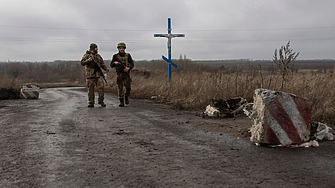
x=56, y=141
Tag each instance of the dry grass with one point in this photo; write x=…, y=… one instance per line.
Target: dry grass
x=192, y=87
x=8, y=82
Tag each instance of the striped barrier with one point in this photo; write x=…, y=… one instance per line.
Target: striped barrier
x=29, y=91
x=280, y=118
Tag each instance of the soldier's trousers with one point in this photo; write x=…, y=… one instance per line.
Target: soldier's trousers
x=91, y=84
x=123, y=80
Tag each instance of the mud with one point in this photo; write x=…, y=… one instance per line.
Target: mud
x=56, y=141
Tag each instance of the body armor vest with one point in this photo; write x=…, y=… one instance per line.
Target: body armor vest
x=123, y=59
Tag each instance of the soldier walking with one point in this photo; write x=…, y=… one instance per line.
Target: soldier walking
x=123, y=63
x=93, y=63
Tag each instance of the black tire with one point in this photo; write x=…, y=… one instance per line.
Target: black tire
x=13, y=94
x=4, y=94
x=8, y=94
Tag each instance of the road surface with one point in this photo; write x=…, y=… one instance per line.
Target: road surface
x=56, y=141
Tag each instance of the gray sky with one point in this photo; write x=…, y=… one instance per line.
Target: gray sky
x=47, y=30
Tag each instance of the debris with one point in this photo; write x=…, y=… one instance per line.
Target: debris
x=248, y=109
x=226, y=108
x=154, y=97
x=313, y=143
x=320, y=131
x=50, y=132
x=211, y=111
x=308, y=144
x=280, y=118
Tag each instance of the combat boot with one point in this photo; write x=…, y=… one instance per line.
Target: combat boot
x=121, y=102
x=102, y=104
x=126, y=100
x=90, y=105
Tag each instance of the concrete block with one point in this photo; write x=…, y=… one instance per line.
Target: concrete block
x=29, y=91
x=280, y=118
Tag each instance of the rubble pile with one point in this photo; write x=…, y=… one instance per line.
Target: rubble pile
x=226, y=108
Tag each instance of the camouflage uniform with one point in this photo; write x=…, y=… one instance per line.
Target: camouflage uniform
x=123, y=78
x=93, y=77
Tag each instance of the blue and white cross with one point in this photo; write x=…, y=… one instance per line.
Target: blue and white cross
x=169, y=35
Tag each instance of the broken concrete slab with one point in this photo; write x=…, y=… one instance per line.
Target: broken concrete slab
x=280, y=118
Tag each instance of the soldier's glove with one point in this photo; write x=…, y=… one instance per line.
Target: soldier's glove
x=90, y=62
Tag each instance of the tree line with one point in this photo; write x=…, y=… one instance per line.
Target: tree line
x=71, y=71
x=43, y=71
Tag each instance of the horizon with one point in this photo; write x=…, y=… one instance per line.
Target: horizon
x=195, y=60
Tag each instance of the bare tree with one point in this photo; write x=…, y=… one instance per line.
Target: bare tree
x=15, y=69
x=285, y=61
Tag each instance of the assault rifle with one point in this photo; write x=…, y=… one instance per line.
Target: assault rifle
x=122, y=67
x=97, y=68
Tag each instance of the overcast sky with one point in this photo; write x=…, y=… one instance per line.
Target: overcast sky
x=47, y=30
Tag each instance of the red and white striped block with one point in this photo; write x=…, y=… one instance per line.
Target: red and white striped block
x=29, y=91
x=280, y=118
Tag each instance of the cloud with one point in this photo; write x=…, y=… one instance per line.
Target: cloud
x=63, y=29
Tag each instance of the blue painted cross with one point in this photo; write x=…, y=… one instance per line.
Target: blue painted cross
x=169, y=36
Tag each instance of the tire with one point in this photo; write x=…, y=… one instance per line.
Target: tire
x=8, y=94
x=4, y=94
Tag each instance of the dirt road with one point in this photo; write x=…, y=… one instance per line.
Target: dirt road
x=56, y=141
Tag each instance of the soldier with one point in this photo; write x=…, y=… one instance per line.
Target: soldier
x=123, y=63
x=93, y=63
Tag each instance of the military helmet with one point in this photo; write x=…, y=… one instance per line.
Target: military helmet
x=93, y=46
x=121, y=44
